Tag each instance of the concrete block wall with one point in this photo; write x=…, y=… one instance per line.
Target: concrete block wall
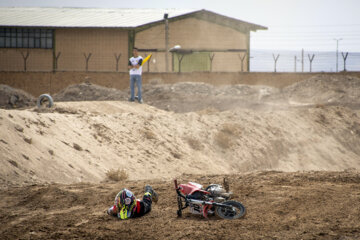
x=72, y=44
x=37, y=83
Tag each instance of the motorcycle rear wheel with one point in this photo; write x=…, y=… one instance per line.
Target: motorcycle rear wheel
x=238, y=210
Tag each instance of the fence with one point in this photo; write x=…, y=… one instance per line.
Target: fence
x=260, y=61
x=303, y=61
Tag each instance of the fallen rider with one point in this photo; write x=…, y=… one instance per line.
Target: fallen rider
x=127, y=206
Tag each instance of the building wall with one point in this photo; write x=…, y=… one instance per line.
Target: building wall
x=37, y=83
x=103, y=44
x=75, y=44
x=11, y=59
x=72, y=44
x=193, y=33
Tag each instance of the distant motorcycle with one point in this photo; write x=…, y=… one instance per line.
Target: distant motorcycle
x=214, y=199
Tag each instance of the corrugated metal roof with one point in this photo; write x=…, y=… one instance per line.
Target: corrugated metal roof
x=84, y=17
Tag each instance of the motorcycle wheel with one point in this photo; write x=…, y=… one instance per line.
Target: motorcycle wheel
x=238, y=210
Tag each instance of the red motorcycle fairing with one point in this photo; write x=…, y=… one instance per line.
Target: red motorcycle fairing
x=191, y=188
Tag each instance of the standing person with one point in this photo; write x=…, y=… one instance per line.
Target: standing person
x=127, y=206
x=135, y=70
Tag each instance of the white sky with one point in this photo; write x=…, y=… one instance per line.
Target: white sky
x=293, y=24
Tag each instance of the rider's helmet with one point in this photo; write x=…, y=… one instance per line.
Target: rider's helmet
x=125, y=201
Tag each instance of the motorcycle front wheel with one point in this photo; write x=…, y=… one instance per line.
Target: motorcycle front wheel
x=238, y=210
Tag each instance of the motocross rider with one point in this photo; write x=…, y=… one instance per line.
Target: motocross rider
x=127, y=206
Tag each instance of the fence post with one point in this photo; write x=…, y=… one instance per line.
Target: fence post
x=344, y=57
x=211, y=57
x=56, y=58
x=311, y=59
x=242, y=58
x=87, y=58
x=25, y=57
x=275, y=59
x=117, y=58
x=180, y=58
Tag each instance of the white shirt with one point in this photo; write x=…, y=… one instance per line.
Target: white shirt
x=135, y=61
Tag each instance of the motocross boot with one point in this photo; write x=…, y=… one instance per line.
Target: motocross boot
x=154, y=195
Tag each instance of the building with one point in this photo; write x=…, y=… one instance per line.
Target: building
x=101, y=40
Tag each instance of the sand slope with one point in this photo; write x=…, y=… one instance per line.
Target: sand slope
x=80, y=141
x=192, y=128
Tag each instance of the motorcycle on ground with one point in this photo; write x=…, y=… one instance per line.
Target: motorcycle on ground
x=214, y=199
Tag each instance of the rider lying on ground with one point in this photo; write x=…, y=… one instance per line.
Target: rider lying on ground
x=127, y=206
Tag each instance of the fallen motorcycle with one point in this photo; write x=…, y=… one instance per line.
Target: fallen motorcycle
x=214, y=199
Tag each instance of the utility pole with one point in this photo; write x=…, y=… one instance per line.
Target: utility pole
x=302, y=60
x=337, y=53
x=166, y=42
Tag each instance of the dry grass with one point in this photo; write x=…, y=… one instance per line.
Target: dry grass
x=117, y=175
x=322, y=119
x=224, y=138
x=149, y=134
x=231, y=129
x=194, y=143
x=176, y=155
x=319, y=105
x=77, y=147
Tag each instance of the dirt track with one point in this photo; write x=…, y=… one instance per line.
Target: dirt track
x=312, y=205
x=292, y=157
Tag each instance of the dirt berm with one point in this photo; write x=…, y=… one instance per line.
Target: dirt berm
x=292, y=156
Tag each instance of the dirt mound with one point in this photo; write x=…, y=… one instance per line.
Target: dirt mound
x=15, y=98
x=191, y=96
x=81, y=141
x=323, y=89
x=311, y=205
x=178, y=97
x=318, y=90
x=89, y=92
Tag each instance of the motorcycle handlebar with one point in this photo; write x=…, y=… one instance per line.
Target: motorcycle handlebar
x=178, y=190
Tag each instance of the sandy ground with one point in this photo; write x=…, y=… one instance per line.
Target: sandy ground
x=292, y=156
x=311, y=205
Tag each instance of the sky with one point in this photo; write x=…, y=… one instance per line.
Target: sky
x=313, y=25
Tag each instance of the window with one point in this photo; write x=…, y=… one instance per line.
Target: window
x=26, y=38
